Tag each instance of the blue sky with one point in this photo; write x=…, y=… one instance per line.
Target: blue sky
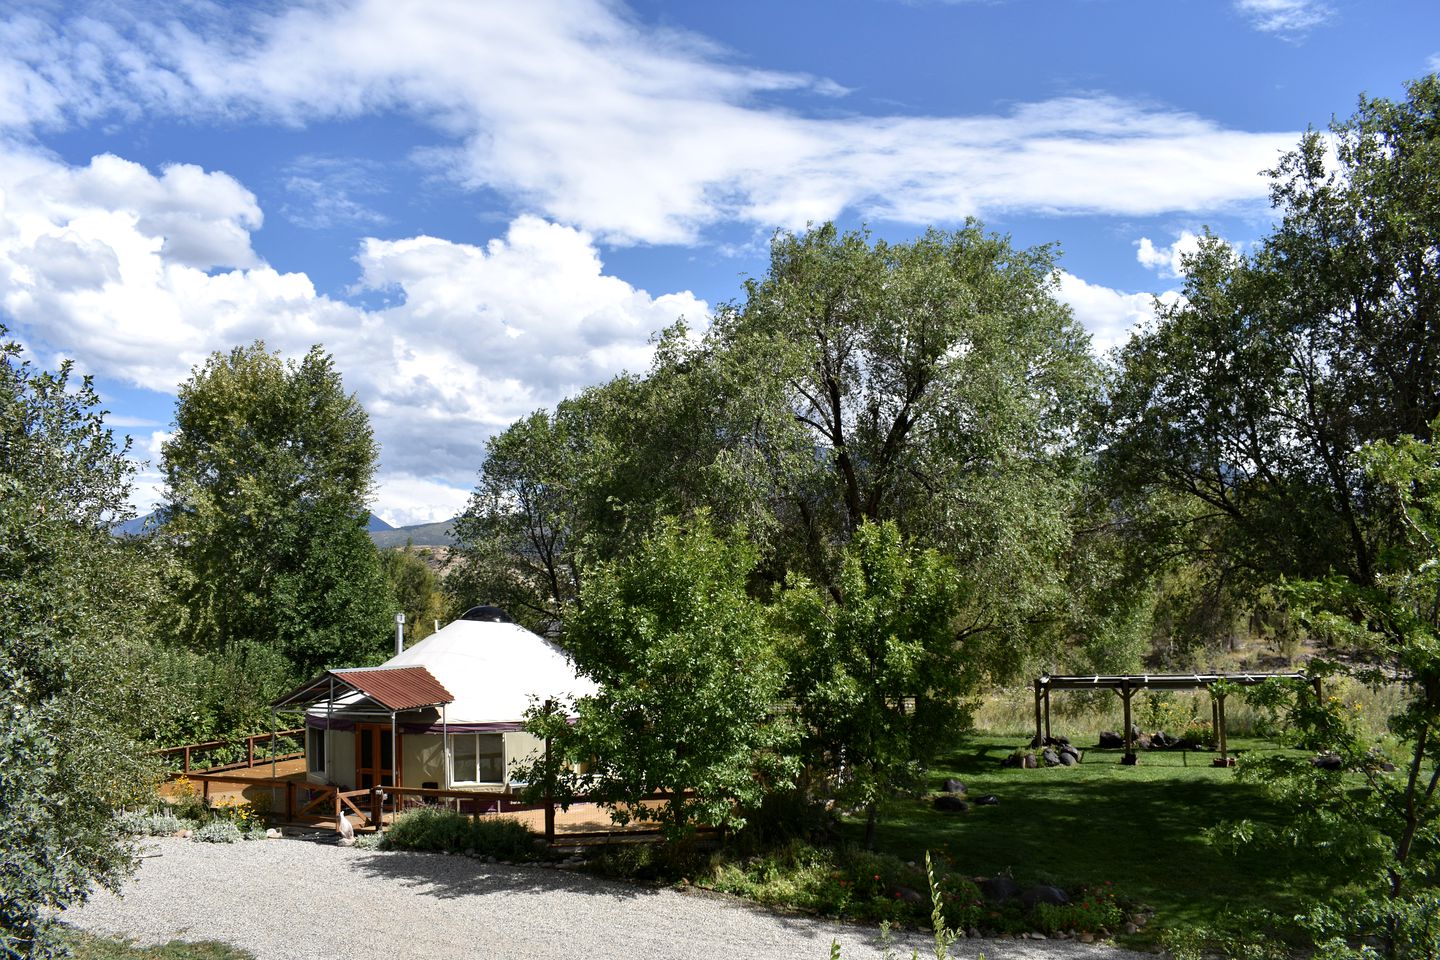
x=479, y=207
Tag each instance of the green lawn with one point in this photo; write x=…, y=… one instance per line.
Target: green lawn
x=88, y=947
x=1140, y=827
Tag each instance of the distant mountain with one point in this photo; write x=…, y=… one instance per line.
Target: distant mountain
x=148, y=524
x=137, y=526
x=421, y=534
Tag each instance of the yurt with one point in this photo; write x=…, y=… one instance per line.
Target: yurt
x=447, y=713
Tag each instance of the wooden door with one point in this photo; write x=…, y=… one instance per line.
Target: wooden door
x=374, y=756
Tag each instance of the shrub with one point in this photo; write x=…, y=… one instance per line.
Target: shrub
x=444, y=831
x=218, y=831
x=139, y=823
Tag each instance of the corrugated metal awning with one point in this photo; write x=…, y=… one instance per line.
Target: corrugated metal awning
x=394, y=688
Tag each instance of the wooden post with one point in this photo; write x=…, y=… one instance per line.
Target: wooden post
x=1038, y=739
x=549, y=784
x=1129, y=758
x=289, y=799
x=1224, y=744
x=249, y=752
x=377, y=805
x=1047, y=713
x=1214, y=720
x=187, y=758
x=207, y=791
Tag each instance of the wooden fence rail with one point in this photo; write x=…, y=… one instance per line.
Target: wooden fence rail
x=186, y=751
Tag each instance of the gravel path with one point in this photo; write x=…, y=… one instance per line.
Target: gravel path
x=298, y=900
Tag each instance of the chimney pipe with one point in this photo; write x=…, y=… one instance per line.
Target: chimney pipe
x=399, y=633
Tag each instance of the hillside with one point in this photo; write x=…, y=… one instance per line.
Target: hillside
x=421, y=534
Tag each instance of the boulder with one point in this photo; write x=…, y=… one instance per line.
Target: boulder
x=987, y=800
x=1052, y=759
x=1043, y=894
x=954, y=786
x=1029, y=762
x=1073, y=751
x=272, y=834
x=1327, y=761
x=949, y=803
x=909, y=895
x=1068, y=759
x=1111, y=739
x=999, y=889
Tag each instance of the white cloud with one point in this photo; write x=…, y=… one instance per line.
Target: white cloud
x=477, y=336
x=403, y=499
x=1167, y=261
x=639, y=134
x=1110, y=315
x=1286, y=17
x=1433, y=64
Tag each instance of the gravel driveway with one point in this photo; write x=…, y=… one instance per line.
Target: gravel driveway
x=297, y=900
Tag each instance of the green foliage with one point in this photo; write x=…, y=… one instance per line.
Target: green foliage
x=266, y=481
x=144, y=823
x=878, y=676
x=67, y=680
x=218, y=831
x=688, y=679
x=416, y=589
x=445, y=831
x=84, y=946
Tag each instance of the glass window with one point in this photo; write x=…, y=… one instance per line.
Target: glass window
x=478, y=757
x=315, y=750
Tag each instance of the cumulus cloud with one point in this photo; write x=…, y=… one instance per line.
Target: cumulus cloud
x=1286, y=17
x=1167, y=260
x=403, y=499
x=476, y=336
x=635, y=133
x=1110, y=315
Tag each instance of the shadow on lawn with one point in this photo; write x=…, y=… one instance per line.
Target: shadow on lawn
x=1141, y=828
x=455, y=877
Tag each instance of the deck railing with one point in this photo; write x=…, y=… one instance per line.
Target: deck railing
x=256, y=751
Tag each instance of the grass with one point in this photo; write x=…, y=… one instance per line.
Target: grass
x=1142, y=828
x=88, y=947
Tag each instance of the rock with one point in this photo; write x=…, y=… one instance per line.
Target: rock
x=1052, y=759
x=272, y=834
x=1068, y=759
x=950, y=803
x=1327, y=761
x=1086, y=936
x=909, y=895
x=999, y=889
x=1029, y=762
x=1110, y=739
x=184, y=834
x=973, y=933
x=1060, y=741
x=1044, y=894
x=954, y=786
x=1073, y=751
x=987, y=800
x=1143, y=741
x=1160, y=740
x=1131, y=928
x=1037, y=935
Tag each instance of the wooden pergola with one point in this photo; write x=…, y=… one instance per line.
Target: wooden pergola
x=1126, y=685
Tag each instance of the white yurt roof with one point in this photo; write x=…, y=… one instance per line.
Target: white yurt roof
x=493, y=670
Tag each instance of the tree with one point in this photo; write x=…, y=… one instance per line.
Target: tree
x=267, y=477
x=67, y=679
x=416, y=589
x=878, y=676
x=1384, y=821
x=1249, y=398
x=688, y=678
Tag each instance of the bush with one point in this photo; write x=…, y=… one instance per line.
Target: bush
x=218, y=831
x=140, y=823
x=444, y=831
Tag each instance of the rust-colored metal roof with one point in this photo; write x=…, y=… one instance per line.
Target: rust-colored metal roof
x=396, y=688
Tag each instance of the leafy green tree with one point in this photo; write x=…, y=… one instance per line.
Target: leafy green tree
x=1246, y=402
x=416, y=589
x=877, y=675
x=1382, y=820
x=688, y=679
x=67, y=675
x=267, y=477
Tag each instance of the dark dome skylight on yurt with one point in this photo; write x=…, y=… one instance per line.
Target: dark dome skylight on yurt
x=487, y=614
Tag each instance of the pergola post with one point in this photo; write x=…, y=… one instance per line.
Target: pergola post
x=1038, y=739
x=549, y=783
x=1129, y=759
x=1047, y=713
